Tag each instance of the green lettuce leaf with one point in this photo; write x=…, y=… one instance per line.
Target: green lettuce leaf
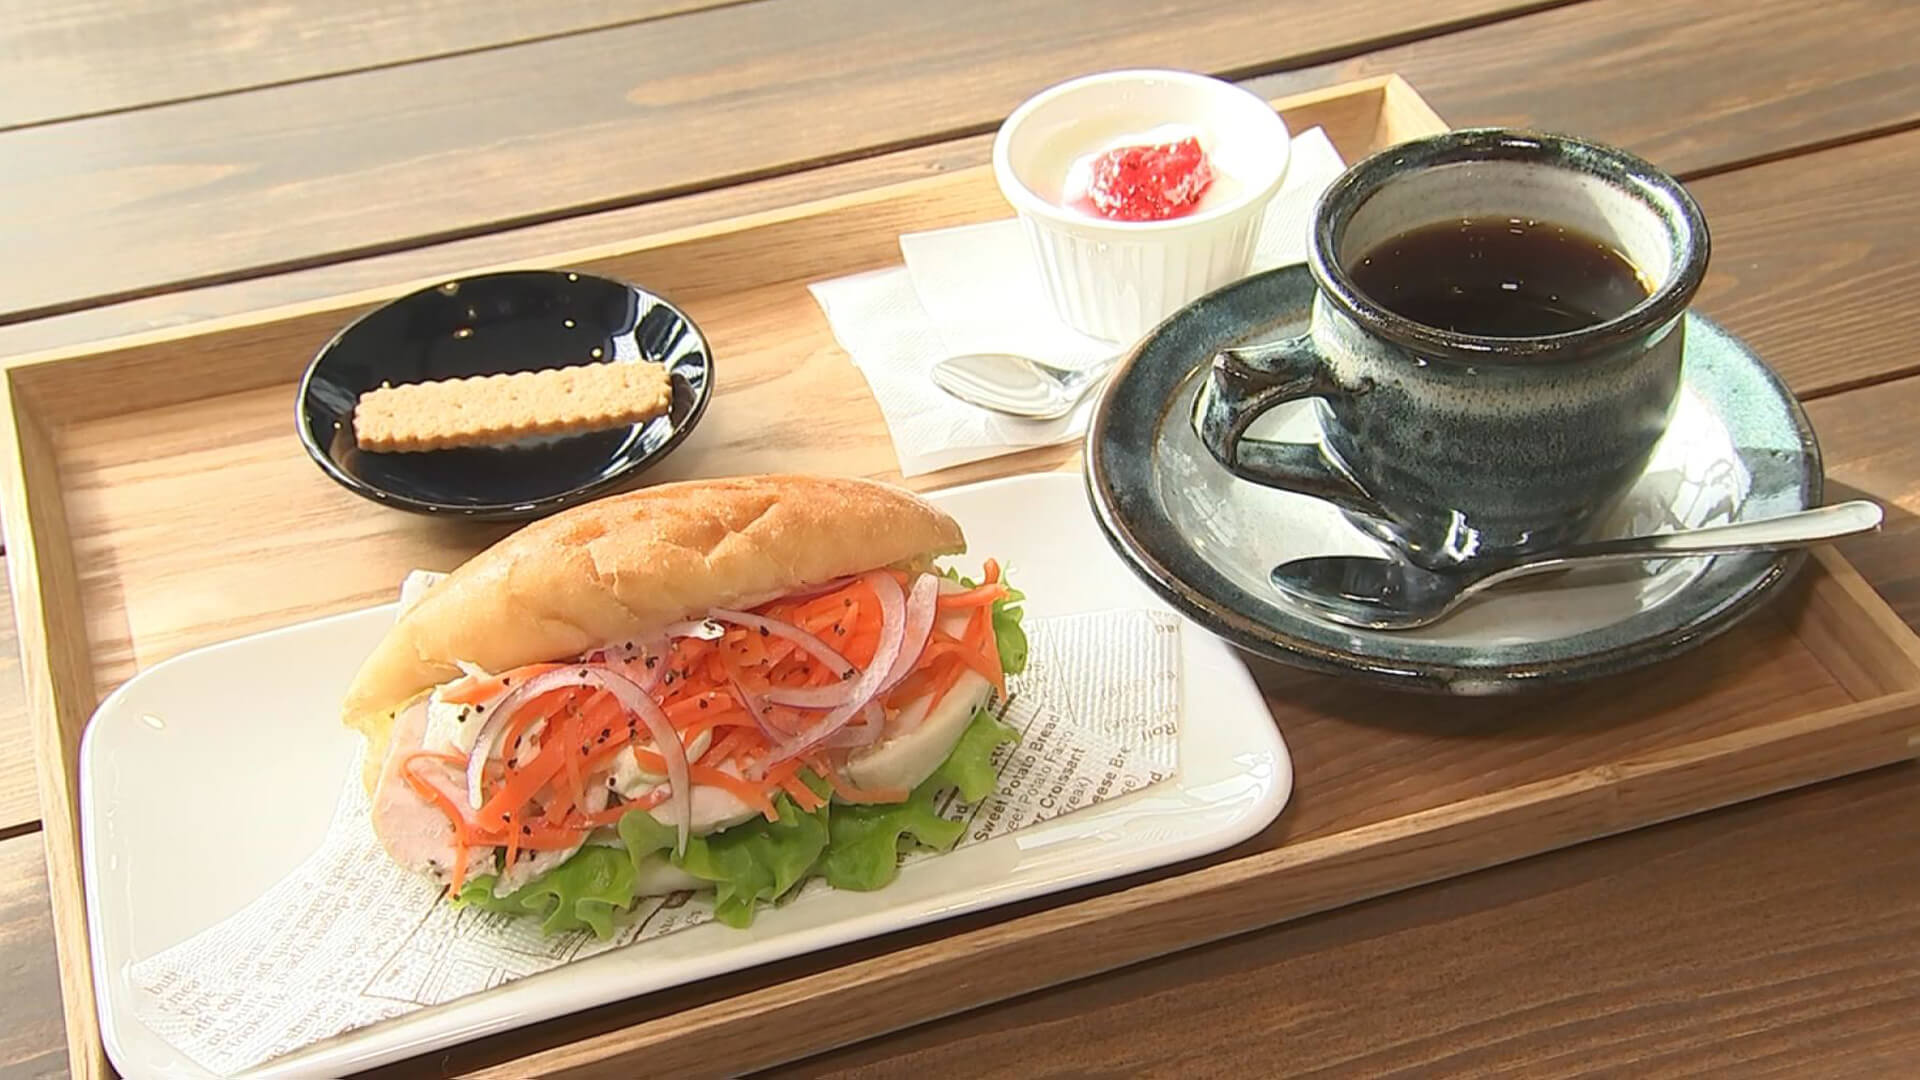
x=760, y=861
x=867, y=839
x=582, y=893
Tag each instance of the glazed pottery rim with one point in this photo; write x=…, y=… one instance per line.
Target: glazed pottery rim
x=519, y=509
x=1283, y=647
x=1690, y=243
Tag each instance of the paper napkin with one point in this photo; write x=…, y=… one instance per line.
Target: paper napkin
x=897, y=323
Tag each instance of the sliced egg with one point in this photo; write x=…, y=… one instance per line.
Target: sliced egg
x=907, y=759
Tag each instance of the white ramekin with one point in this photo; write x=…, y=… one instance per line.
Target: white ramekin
x=1117, y=279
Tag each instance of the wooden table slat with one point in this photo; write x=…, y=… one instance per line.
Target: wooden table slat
x=1770, y=939
x=33, y=1040
x=61, y=59
x=1718, y=945
x=1695, y=87
x=19, y=791
x=554, y=128
x=1608, y=37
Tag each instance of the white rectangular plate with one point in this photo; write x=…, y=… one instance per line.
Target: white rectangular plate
x=209, y=777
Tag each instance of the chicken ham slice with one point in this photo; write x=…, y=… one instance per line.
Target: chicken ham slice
x=414, y=831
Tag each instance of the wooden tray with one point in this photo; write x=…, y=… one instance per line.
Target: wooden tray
x=158, y=500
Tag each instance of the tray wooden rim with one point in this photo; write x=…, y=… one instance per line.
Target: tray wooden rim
x=1869, y=651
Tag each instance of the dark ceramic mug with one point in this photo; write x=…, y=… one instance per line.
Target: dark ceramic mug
x=1453, y=446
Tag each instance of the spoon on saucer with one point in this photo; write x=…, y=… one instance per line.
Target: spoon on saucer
x=1394, y=594
x=1016, y=385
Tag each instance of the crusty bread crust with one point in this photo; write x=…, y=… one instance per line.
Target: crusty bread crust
x=625, y=566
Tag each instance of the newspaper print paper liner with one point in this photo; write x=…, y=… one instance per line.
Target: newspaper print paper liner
x=350, y=939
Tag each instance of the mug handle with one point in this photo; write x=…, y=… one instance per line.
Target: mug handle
x=1248, y=381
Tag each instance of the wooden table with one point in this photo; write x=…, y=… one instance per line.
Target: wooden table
x=194, y=158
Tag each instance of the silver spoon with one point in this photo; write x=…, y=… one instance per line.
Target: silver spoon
x=1017, y=386
x=1393, y=594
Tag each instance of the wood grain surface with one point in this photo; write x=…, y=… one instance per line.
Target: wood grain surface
x=1771, y=939
x=1615, y=41
x=1695, y=87
x=553, y=128
x=190, y=517
x=19, y=793
x=32, y=1040
x=61, y=59
x=1726, y=945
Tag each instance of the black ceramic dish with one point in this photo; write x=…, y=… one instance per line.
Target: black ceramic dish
x=521, y=320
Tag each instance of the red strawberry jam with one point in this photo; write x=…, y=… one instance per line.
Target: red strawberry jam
x=1148, y=183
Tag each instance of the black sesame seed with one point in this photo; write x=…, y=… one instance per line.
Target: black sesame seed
x=841, y=630
x=652, y=660
x=506, y=682
x=848, y=602
x=583, y=673
x=703, y=703
x=847, y=675
x=526, y=830
x=629, y=646
x=764, y=631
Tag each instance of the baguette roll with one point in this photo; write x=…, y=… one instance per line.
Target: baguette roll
x=627, y=566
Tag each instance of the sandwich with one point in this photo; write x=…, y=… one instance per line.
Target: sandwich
x=735, y=685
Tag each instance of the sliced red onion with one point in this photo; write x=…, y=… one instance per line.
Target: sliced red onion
x=631, y=697
x=644, y=661
x=893, y=605
x=755, y=710
x=704, y=629
x=821, y=651
x=865, y=733
x=922, y=605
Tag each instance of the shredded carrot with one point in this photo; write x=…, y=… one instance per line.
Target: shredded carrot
x=802, y=795
x=707, y=688
x=725, y=748
x=945, y=683
x=942, y=645
x=716, y=718
x=975, y=597
x=746, y=791
x=690, y=709
x=990, y=571
x=513, y=837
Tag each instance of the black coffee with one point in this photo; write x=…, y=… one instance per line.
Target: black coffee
x=1499, y=277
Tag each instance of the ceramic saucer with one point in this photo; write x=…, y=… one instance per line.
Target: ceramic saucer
x=522, y=320
x=1739, y=449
